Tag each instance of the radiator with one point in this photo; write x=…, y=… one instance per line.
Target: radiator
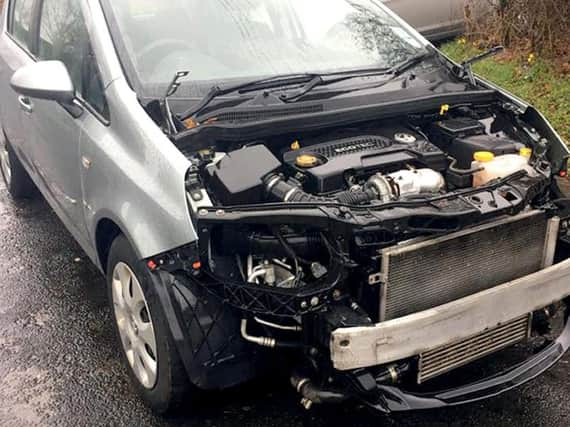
x=444, y=359
x=425, y=273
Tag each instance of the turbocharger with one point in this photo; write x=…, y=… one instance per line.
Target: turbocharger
x=405, y=183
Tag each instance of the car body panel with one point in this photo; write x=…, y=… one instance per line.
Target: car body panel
x=141, y=190
x=53, y=142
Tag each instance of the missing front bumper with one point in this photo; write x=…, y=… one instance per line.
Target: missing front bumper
x=391, y=399
x=409, y=336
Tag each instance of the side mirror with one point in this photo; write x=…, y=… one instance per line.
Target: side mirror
x=48, y=80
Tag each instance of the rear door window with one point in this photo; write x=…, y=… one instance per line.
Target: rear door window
x=21, y=21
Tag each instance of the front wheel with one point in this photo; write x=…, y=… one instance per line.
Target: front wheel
x=147, y=347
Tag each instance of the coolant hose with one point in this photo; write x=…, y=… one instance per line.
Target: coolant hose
x=287, y=192
x=453, y=167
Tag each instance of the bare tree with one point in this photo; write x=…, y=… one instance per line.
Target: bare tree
x=541, y=26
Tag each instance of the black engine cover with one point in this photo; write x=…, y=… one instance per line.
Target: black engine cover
x=461, y=138
x=361, y=156
x=238, y=177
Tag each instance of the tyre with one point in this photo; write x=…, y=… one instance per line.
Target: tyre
x=148, y=349
x=16, y=178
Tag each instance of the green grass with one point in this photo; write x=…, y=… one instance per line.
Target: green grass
x=536, y=82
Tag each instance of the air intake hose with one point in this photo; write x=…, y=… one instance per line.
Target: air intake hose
x=284, y=191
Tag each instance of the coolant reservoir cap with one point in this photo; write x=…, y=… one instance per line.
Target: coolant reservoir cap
x=307, y=161
x=484, y=156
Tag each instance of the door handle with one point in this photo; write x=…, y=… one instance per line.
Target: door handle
x=26, y=104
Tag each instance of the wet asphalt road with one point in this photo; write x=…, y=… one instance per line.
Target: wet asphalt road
x=59, y=364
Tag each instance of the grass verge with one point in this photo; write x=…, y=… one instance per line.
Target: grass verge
x=532, y=79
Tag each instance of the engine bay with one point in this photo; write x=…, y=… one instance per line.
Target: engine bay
x=374, y=164
x=305, y=215
x=301, y=234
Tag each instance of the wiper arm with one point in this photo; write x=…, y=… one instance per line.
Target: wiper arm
x=394, y=71
x=260, y=84
x=170, y=125
x=466, y=69
x=410, y=63
x=313, y=83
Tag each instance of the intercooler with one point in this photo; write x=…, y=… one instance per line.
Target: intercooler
x=426, y=273
x=444, y=359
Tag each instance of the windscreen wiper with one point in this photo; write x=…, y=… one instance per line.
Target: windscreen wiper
x=311, y=80
x=394, y=73
x=260, y=84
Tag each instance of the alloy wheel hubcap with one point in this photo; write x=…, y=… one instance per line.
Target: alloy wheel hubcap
x=5, y=162
x=135, y=325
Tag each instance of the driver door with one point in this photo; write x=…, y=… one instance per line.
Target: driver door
x=58, y=130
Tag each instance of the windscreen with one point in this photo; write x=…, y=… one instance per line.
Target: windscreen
x=219, y=40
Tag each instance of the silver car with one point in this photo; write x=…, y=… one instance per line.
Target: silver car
x=292, y=185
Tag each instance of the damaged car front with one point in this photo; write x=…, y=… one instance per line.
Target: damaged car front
x=369, y=214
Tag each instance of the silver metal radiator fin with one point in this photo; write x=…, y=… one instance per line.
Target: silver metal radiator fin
x=444, y=359
x=423, y=274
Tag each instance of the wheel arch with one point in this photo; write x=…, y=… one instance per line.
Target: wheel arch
x=106, y=232
x=108, y=228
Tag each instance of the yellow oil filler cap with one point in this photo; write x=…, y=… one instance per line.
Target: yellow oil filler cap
x=526, y=152
x=484, y=156
x=307, y=161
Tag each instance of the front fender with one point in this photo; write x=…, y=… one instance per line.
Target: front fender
x=136, y=178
